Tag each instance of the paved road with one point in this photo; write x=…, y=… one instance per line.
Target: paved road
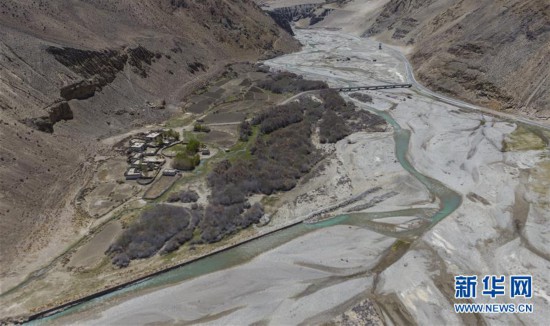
x=223, y=123
x=373, y=87
x=411, y=79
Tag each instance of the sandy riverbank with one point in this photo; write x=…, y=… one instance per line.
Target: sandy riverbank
x=254, y=291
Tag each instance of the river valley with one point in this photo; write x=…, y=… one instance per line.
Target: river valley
x=471, y=197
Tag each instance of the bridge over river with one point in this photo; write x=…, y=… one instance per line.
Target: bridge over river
x=362, y=88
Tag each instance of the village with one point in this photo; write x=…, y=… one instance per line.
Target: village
x=147, y=158
x=144, y=157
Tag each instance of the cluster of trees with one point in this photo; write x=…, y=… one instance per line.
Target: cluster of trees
x=184, y=196
x=279, y=117
x=340, y=119
x=333, y=125
x=170, y=133
x=253, y=214
x=177, y=240
x=222, y=220
x=332, y=100
x=193, y=146
x=245, y=130
x=332, y=128
x=219, y=221
x=164, y=228
x=187, y=160
x=146, y=236
x=285, y=82
x=279, y=157
x=278, y=160
x=366, y=121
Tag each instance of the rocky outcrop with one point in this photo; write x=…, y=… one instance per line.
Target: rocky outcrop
x=59, y=111
x=81, y=90
x=100, y=67
x=55, y=113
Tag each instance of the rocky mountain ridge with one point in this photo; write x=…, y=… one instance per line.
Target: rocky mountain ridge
x=495, y=53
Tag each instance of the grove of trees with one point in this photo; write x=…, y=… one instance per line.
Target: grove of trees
x=285, y=82
x=188, y=159
x=146, y=236
x=282, y=153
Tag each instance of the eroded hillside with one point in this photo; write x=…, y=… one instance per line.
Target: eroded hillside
x=75, y=71
x=495, y=53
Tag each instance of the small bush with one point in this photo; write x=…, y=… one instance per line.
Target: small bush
x=121, y=260
x=365, y=98
x=201, y=128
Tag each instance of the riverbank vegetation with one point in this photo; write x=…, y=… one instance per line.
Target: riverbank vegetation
x=341, y=119
x=150, y=232
x=275, y=151
x=287, y=82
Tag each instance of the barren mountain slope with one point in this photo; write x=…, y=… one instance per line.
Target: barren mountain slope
x=74, y=71
x=496, y=53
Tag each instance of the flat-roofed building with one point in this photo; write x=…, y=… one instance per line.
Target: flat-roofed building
x=132, y=174
x=151, y=151
x=153, y=160
x=136, y=163
x=152, y=136
x=138, y=147
x=169, y=172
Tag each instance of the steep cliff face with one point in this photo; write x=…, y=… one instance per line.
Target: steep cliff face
x=68, y=68
x=286, y=15
x=55, y=113
x=495, y=53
